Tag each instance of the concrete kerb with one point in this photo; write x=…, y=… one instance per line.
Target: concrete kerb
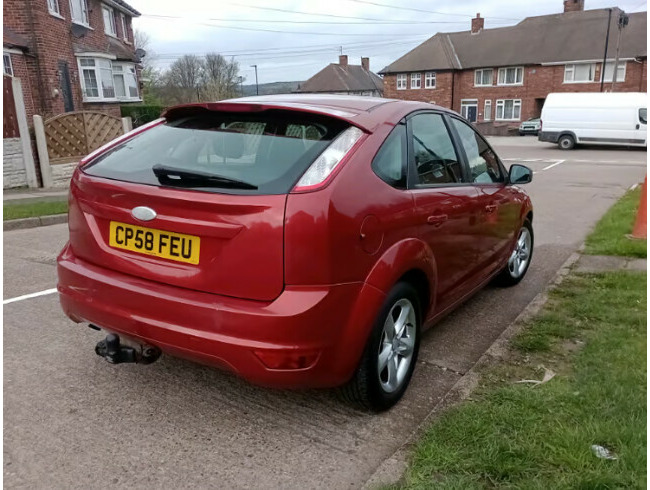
x=24, y=223
x=391, y=470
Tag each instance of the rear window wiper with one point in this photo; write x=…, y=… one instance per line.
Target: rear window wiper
x=177, y=177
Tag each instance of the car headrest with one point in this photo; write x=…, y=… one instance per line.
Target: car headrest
x=228, y=144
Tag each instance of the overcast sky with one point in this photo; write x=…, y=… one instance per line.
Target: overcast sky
x=299, y=38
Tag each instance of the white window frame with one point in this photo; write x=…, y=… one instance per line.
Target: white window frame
x=416, y=77
x=430, y=79
x=464, y=104
x=401, y=81
x=504, y=70
x=501, y=104
x=80, y=18
x=125, y=70
x=610, y=79
x=112, y=25
x=125, y=32
x=487, y=109
x=570, y=73
x=7, y=56
x=54, y=8
x=481, y=71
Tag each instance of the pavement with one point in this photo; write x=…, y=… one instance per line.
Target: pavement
x=71, y=420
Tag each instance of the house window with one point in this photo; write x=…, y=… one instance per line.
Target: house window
x=513, y=75
x=508, y=110
x=487, y=110
x=79, y=12
x=125, y=32
x=125, y=80
x=609, y=71
x=430, y=79
x=483, y=77
x=106, y=80
x=109, y=21
x=416, y=80
x=53, y=7
x=580, y=73
x=401, y=81
x=469, y=109
x=6, y=64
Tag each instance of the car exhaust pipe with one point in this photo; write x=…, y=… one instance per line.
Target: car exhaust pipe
x=114, y=352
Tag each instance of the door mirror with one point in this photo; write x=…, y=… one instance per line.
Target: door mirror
x=520, y=174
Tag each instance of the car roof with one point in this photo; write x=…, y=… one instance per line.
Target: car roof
x=367, y=113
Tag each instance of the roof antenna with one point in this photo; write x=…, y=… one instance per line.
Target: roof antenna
x=341, y=50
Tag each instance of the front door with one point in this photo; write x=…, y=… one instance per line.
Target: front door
x=498, y=209
x=641, y=131
x=66, y=90
x=445, y=205
x=469, y=109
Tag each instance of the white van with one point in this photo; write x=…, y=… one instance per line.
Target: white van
x=618, y=118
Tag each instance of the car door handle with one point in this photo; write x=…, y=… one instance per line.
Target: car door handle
x=491, y=208
x=437, y=219
x=638, y=126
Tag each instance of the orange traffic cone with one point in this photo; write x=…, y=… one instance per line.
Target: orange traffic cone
x=640, y=230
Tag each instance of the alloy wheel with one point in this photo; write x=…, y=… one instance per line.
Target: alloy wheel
x=397, y=345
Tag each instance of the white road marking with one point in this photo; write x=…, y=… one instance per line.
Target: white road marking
x=553, y=165
x=29, y=296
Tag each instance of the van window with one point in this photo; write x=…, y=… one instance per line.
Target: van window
x=222, y=152
x=643, y=115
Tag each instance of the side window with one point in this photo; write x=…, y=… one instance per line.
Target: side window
x=643, y=116
x=483, y=163
x=435, y=159
x=389, y=162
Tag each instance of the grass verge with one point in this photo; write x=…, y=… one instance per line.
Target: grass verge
x=592, y=334
x=32, y=209
x=608, y=238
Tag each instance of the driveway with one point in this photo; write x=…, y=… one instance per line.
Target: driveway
x=71, y=420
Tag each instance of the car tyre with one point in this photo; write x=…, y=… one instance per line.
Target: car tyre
x=566, y=142
x=387, y=363
x=520, y=258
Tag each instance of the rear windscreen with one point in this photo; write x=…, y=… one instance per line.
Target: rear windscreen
x=261, y=153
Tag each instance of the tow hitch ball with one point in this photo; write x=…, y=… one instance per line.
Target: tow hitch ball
x=115, y=353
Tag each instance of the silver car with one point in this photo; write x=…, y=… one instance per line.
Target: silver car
x=531, y=126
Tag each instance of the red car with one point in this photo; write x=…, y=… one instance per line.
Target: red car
x=299, y=241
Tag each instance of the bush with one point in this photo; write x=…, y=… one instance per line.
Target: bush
x=142, y=114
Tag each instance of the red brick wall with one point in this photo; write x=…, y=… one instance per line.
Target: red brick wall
x=538, y=82
x=51, y=41
x=21, y=70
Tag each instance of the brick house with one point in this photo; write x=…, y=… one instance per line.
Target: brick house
x=344, y=79
x=71, y=55
x=499, y=77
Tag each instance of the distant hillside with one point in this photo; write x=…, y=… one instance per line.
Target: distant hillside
x=271, y=88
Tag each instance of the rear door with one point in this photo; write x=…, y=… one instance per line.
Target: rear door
x=498, y=210
x=215, y=188
x=445, y=205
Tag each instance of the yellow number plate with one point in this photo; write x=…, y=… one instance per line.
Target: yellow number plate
x=165, y=244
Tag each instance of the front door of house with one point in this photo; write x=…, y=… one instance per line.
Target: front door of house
x=66, y=90
x=471, y=113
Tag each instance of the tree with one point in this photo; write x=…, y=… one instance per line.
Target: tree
x=184, y=79
x=220, y=77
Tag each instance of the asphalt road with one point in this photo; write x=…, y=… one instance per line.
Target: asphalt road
x=71, y=420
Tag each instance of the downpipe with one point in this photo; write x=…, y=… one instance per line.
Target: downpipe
x=115, y=352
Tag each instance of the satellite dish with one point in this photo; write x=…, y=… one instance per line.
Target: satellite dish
x=78, y=30
x=139, y=54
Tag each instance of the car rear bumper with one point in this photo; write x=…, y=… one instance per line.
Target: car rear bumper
x=326, y=326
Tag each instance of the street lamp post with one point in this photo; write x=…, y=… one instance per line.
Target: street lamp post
x=623, y=21
x=257, y=87
x=602, y=70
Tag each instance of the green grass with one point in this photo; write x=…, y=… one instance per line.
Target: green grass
x=608, y=238
x=28, y=210
x=592, y=334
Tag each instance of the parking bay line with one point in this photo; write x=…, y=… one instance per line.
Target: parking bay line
x=29, y=296
x=553, y=164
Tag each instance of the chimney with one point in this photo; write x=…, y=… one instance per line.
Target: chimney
x=365, y=63
x=574, y=5
x=343, y=60
x=477, y=24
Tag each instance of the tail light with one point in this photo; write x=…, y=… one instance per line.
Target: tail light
x=325, y=166
x=119, y=140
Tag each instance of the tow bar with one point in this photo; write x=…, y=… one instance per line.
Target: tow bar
x=115, y=353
